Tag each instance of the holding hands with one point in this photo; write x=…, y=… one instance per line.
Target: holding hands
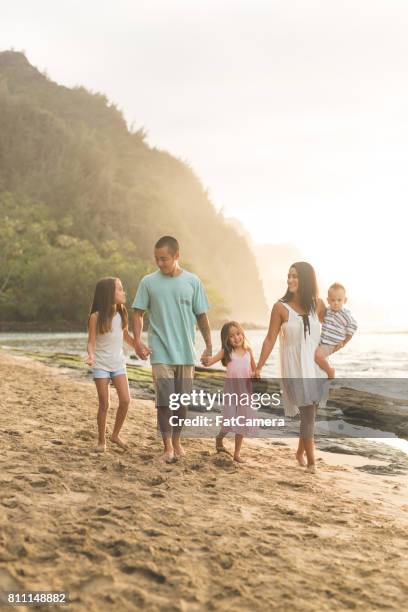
x=206, y=359
x=142, y=351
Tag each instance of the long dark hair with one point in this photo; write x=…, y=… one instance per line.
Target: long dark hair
x=307, y=287
x=104, y=304
x=225, y=331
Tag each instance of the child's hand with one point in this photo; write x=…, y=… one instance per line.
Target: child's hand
x=338, y=346
x=89, y=360
x=205, y=360
x=256, y=373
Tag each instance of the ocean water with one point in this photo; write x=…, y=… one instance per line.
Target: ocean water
x=368, y=355
x=382, y=355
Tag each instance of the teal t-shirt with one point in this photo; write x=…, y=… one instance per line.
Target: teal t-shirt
x=173, y=303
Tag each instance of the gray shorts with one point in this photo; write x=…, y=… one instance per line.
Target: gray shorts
x=170, y=379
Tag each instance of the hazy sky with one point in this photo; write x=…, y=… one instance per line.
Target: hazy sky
x=293, y=113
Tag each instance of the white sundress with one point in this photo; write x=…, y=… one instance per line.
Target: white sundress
x=302, y=379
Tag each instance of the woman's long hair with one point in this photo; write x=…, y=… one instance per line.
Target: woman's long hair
x=307, y=292
x=104, y=304
x=225, y=331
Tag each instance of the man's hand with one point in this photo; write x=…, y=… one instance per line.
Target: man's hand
x=207, y=352
x=142, y=351
x=256, y=374
x=205, y=360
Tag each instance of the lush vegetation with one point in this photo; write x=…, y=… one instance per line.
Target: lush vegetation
x=81, y=197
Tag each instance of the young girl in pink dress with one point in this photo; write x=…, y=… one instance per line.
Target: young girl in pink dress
x=237, y=356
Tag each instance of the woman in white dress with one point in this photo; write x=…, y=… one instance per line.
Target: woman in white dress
x=296, y=318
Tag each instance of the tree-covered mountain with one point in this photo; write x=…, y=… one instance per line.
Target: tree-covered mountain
x=82, y=196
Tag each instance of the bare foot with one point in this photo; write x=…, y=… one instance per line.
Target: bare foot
x=331, y=373
x=311, y=469
x=220, y=448
x=101, y=448
x=169, y=456
x=238, y=459
x=178, y=449
x=301, y=459
x=119, y=442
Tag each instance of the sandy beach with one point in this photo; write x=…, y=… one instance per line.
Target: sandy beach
x=124, y=531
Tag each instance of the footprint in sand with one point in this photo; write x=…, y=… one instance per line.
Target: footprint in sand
x=146, y=456
x=38, y=484
x=45, y=469
x=223, y=461
x=154, y=533
x=225, y=561
x=158, y=480
x=102, y=511
x=10, y=502
x=116, y=548
x=84, y=434
x=144, y=570
x=292, y=485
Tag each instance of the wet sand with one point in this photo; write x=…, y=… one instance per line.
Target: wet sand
x=124, y=531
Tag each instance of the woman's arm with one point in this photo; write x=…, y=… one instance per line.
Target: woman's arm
x=209, y=361
x=253, y=364
x=321, y=310
x=273, y=331
x=91, y=338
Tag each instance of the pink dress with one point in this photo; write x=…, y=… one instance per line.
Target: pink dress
x=238, y=381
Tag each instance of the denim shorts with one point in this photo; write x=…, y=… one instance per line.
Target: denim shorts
x=107, y=374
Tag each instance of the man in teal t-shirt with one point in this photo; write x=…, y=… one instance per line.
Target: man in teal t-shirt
x=176, y=302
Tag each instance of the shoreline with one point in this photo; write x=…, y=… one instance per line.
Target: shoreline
x=10, y=327
x=107, y=528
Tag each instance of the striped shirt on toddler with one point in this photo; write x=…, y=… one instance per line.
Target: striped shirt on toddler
x=337, y=325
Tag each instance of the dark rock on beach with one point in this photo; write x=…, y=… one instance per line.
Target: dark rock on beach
x=372, y=410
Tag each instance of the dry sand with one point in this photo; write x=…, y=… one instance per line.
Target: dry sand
x=123, y=531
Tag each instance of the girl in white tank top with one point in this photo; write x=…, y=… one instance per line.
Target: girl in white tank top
x=107, y=329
